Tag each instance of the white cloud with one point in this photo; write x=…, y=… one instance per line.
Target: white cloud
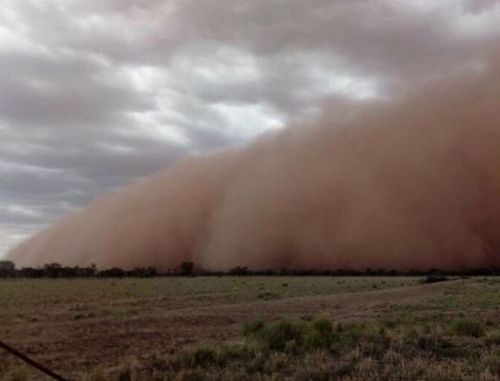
x=21, y=210
x=249, y=120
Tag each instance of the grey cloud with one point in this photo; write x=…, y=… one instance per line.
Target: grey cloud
x=72, y=98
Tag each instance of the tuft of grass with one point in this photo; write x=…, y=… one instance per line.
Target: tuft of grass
x=230, y=353
x=18, y=373
x=203, y=358
x=97, y=374
x=493, y=338
x=284, y=335
x=267, y=295
x=318, y=334
x=125, y=375
x=467, y=327
x=127, y=371
x=250, y=328
x=370, y=338
x=275, y=336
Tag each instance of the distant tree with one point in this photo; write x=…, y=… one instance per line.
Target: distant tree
x=30, y=272
x=7, y=269
x=143, y=272
x=7, y=265
x=53, y=270
x=186, y=268
x=88, y=271
x=114, y=272
x=151, y=272
x=239, y=270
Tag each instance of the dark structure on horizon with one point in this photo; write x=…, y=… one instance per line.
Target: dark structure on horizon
x=55, y=270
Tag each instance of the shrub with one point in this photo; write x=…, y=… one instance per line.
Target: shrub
x=434, y=279
x=234, y=353
x=276, y=335
x=430, y=338
x=323, y=326
x=203, y=357
x=317, y=365
x=256, y=364
x=289, y=336
x=437, y=344
x=318, y=334
x=250, y=328
x=347, y=336
x=467, y=327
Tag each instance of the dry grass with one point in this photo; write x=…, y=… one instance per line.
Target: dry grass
x=191, y=328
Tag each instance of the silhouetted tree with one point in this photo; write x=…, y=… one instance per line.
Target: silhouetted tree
x=88, y=271
x=186, y=268
x=7, y=269
x=30, y=272
x=143, y=272
x=113, y=272
x=53, y=270
x=239, y=270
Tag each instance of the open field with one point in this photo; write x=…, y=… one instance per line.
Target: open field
x=349, y=328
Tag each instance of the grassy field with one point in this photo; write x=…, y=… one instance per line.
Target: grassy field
x=264, y=328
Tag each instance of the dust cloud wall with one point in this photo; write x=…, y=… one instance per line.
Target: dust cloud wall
x=411, y=183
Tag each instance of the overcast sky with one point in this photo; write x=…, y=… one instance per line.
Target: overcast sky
x=94, y=94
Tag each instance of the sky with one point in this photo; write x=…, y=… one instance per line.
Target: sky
x=94, y=95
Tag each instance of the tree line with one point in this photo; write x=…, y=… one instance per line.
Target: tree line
x=55, y=270
x=8, y=269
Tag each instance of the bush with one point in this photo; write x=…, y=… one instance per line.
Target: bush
x=437, y=344
x=251, y=328
x=433, y=278
x=276, y=335
x=467, y=327
x=430, y=338
x=204, y=358
x=318, y=334
x=347, y=336
x=235, y=352
x=289, y=336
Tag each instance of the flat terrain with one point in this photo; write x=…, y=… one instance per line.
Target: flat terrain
x=99, y=329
